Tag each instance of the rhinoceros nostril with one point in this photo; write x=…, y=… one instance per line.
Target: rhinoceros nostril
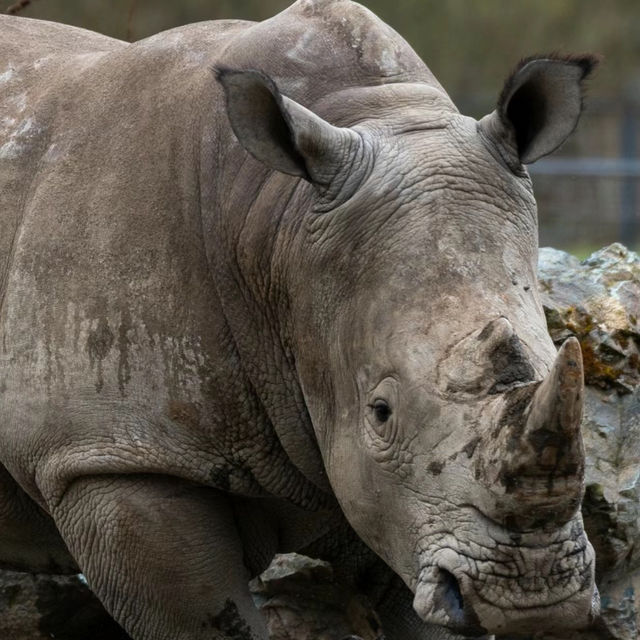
x=460, y=614
x=452, y=594
x=439, y=600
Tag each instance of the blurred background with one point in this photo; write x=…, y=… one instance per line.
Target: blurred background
x=588, y=192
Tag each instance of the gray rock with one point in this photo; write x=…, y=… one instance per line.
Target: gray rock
x=598, y=301
x=301, y=601
x=33, y=607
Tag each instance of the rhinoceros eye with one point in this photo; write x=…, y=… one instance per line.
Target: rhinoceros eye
x=381, y=410
x=380, y=407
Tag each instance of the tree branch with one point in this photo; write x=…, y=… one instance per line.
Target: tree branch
x=132, y=10
x=18, y=6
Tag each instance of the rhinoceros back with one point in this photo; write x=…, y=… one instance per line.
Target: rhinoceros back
x=111, y=324
x=109, y=302
x=29, y=50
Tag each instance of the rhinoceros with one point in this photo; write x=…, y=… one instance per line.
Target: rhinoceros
x=265, y=289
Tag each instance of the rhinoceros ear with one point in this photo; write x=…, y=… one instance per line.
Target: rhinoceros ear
x=539, y=106
x=281, y=133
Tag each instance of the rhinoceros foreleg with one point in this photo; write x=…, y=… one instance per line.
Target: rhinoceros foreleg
x=29, y=540
x=163, y=556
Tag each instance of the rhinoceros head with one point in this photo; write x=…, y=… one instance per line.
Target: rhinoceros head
x=448, y=423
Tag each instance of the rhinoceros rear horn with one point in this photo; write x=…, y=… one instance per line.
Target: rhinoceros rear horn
x=539, y=107
x=281, y=133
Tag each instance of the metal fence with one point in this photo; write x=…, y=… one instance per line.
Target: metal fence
x=588, y=193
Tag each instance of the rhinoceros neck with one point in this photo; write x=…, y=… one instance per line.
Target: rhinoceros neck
x=340, y=60
x=249, y=217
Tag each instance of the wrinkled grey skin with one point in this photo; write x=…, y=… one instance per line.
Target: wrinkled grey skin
x=228, y=324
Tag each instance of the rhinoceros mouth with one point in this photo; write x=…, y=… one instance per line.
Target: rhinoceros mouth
x=507, y=586
x=464, y=605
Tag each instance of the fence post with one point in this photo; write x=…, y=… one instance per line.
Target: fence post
x=629, y=189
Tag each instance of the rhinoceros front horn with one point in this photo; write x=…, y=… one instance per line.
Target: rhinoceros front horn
x=542, y=475
x=556, y=408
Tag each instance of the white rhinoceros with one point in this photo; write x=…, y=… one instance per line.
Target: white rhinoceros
x=259, y=281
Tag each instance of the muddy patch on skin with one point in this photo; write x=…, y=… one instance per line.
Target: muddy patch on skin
x=184, y=413
x=231, y=623
x=471, y=446
x=99, y=343
x=510, y=366
x=436, y=467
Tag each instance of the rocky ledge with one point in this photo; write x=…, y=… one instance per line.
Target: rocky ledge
x=598, y=301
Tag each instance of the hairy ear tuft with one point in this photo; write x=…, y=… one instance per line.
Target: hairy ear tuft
x=539, y=105
x=587, y=62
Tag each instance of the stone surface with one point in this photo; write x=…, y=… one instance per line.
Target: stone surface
x=33, y=607
x=301, y=601
x=598, y=301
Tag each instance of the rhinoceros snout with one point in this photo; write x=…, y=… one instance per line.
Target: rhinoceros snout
x=512, y=588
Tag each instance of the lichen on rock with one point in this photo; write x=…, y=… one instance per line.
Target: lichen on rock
x=598, y=301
